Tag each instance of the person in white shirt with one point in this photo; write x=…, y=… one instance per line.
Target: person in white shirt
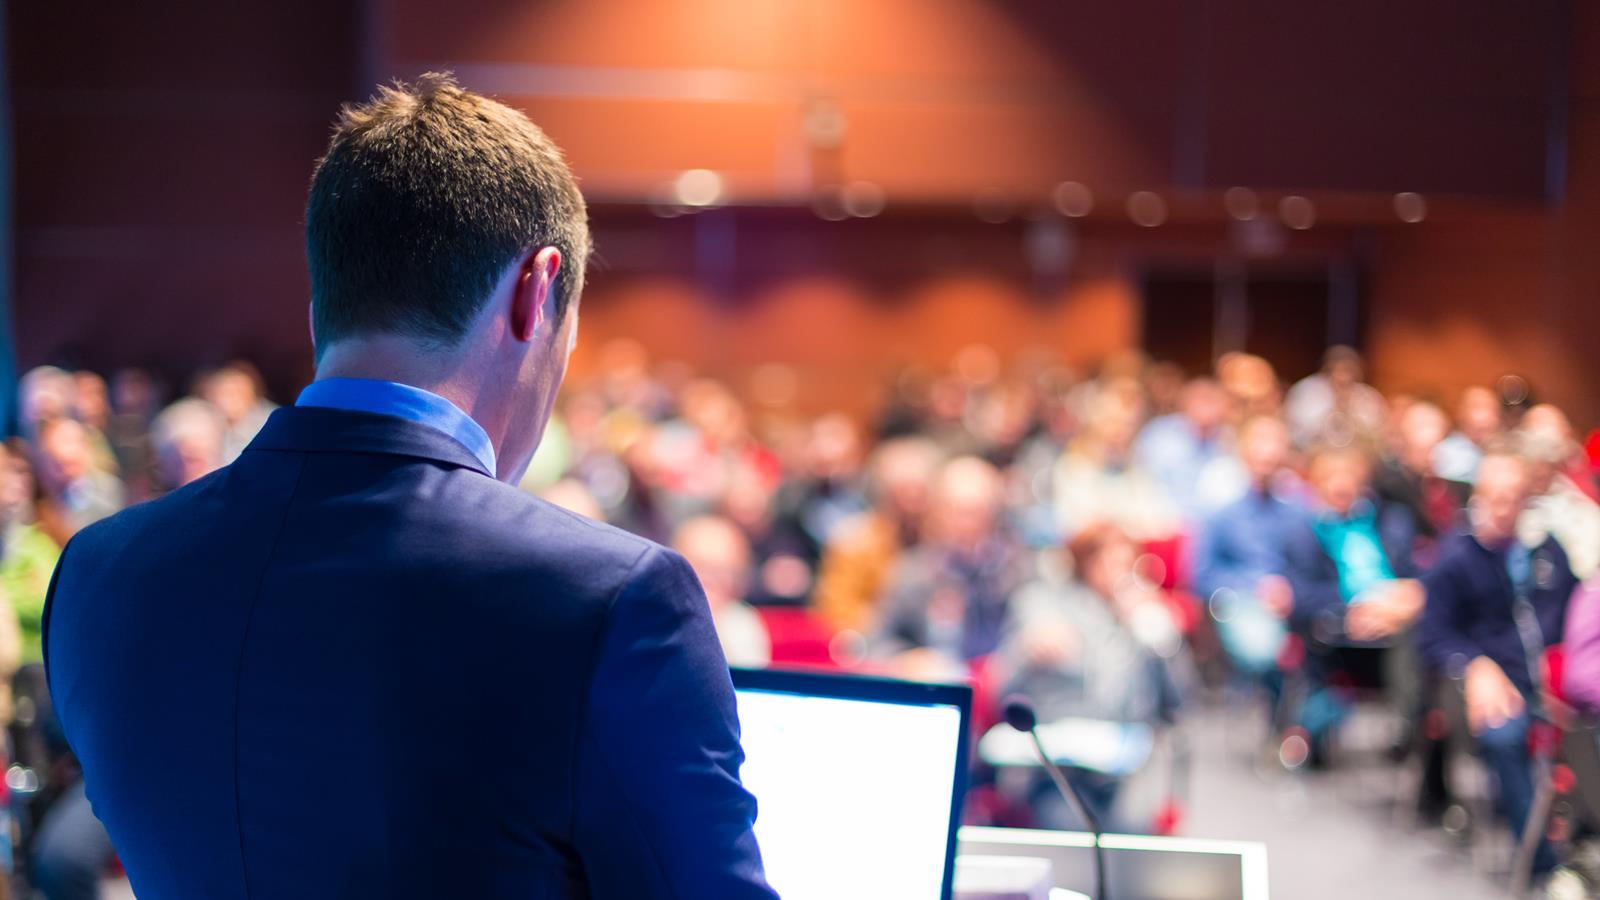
x=1557, y=507
x=719, y=553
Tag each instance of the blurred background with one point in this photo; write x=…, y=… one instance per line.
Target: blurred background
x=946, y=338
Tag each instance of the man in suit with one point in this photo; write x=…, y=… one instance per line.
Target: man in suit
x=1494, y=605
x=357, y=662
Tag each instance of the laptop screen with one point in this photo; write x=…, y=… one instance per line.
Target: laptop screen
x=859, y=782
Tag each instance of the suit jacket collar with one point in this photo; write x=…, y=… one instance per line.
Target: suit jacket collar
x=311, y=429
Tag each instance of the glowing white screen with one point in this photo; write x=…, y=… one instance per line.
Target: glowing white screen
x=854, y=795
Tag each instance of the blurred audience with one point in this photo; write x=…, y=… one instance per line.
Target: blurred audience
x=1350, y=574
x=1016, y=522
x=1189, y=452
x=1098, y=479
x=1479, y=420
x=1335, y=406
x=1581, y=676
x=237, y=394
x=1557, y=506
x=1241, y=564
x=1351, y=570
x=946, y=600
x=863, y=550
x=720, y=555
x=76, y=488
x=135, y=401
x=1090, y=646
x=27, y=555
x=1493, y=606
x=188, y=441
x=1406, y=478
x=44, y=394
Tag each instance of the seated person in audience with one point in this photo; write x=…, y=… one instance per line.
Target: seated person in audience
x=187, y=440
x=236, y=391
x=862, y=551
x=1090, y=646
x=1349, y=567
x=1335, y=405
x=1240, y=564
x=1098, y=479
x=720, y=556
x=43, y=393
x=135, y=400
x=76, y=492
x=1406, y=479
x=947, y=598
x=825, y=490
x=782, y=556
x=574, y=496
x=1252, y=384
x=1558, y=506
x=1189, y=451
x=1479, y=420
x=1581, y=677
x=27, y=555
x=1493, y=605
x=91, y=405
x=1436, y=509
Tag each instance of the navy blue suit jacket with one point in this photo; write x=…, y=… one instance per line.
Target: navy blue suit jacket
x=352, y=664
x=1471, y=608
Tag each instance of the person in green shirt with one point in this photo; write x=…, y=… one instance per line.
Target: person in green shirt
x=27, y=555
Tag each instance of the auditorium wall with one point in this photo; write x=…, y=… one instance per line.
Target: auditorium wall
x=161, y=175
x=1505, y=289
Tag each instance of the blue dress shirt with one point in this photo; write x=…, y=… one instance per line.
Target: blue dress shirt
x=1240, y=544
x=402, y=401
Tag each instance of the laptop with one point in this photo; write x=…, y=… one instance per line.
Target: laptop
x=859, y=782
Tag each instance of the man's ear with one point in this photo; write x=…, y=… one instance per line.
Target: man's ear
x=536, y=279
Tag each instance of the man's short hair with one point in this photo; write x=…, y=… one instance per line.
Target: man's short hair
x=426, y=194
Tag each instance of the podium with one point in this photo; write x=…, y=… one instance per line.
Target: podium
x=1138, y=867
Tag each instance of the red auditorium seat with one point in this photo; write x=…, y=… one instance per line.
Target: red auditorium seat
x=798, y=637
x=1170, y=571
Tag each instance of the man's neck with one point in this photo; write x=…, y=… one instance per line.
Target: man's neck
x=405, y=361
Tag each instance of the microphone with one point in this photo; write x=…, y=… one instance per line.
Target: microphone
x=1020, y=715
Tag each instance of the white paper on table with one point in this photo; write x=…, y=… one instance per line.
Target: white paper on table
x=1111, y=748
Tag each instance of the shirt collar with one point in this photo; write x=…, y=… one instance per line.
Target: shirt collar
x=402, y=401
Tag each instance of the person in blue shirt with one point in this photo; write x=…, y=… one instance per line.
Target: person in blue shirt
x=1493, y=606
x=1190, y=451
x=1240, y=561
x=1355, y=591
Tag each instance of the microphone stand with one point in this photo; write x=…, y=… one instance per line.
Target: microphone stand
x=1019, y=712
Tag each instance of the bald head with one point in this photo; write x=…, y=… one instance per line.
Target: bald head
x=1498, y=496
x=901, y=471
x=1263, y=447
x=1478, y=414
x=1205, y=404
x=1547, y=421
x=966, y=500
x=1422, y=426
x=719, y=553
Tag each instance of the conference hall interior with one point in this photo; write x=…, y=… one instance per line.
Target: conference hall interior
x=1171, y=365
